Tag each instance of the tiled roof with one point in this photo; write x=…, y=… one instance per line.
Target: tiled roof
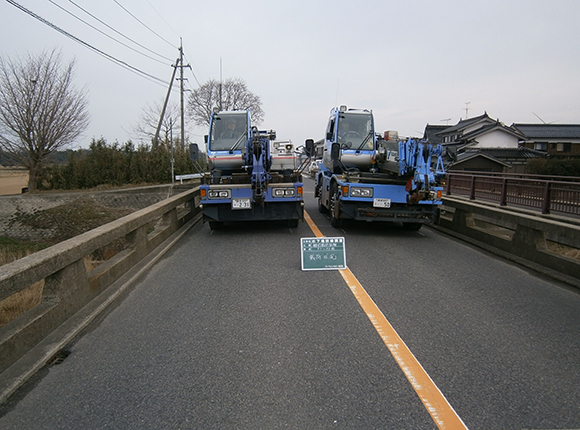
x=503, y=153
x=549, y=131
x=464, y=156
x=487, y=128
x=431, y=133
x=499, y=155
x=463, y=123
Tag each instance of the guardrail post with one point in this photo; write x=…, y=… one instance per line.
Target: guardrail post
x=472, y=191
x=503, y=198
x=546, y=202
x=66, y=281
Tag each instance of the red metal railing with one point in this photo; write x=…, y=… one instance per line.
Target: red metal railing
x=547, y=193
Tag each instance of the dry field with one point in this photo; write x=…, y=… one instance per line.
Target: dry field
x=12, y=180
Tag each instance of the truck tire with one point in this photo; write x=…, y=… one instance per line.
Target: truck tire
x=292, y=223
x=321, y=208
x=215, y=225
x=335, y=221
x=318, y=193
x=412, y=226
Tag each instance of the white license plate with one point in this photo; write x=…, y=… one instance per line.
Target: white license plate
x=241, y=204
x=382, y=203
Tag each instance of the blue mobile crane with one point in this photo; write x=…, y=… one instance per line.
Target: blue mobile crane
x=368, y=178
x=250, y=176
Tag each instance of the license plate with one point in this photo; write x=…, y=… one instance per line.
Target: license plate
x=241, y=204
x=382, y=203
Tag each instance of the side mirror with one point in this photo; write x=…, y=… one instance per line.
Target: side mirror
x=329, y=136
x=335, y=151
x=205, y=139
x=310, y=150
x=194, y=152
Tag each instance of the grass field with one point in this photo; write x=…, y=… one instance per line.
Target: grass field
x=12, y=180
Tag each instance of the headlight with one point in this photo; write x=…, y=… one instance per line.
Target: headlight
x=283, y=192
x=361, y=192
x=219, y=194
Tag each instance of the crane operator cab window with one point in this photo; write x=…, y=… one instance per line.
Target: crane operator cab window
x=228, y=132
x=355, y=131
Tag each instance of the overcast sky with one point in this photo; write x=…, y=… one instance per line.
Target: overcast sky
x=412, y=62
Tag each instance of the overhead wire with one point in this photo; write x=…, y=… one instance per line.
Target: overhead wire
x=192, y=72
x=143, y=24
x=177, y=34
x=105, y=34
x=162, y=38
x=118, y=32
x=115, y=60
x=163, y=19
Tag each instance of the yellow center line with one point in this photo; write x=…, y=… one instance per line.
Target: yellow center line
x=312, y=226
x=434, y=401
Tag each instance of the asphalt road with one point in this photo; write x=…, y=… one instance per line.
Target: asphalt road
x=227, y=332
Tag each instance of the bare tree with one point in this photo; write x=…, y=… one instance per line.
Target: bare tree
x=232, y=94
x=40, y=110
x=149, y=120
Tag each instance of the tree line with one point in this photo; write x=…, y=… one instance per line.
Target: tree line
x=116, y=165
x=555, y=166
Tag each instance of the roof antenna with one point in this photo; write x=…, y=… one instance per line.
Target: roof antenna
x=547, y=123
x=537, y=116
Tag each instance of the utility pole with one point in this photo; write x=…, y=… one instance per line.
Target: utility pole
x=156, y=137
x=220, y=87
x=178, y=63
x=467, y=109
x=182, y=91
x=172, y=159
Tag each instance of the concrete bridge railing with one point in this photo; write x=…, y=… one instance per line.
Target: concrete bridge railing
x=70, y=283
x=548, y=244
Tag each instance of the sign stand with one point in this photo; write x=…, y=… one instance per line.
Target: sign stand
x=323, y=253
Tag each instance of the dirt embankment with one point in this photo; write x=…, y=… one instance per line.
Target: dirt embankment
x=12, y=180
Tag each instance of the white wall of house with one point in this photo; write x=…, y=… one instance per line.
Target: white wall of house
x=496, y=139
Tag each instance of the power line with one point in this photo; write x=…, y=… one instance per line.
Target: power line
x=105, y=34
x=192, y=72
x=169, y=25
x=82, y=42
x=161, y=16
x=118, y=32
x=142, y=23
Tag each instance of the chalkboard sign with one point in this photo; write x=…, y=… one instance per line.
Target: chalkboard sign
x=323, y=253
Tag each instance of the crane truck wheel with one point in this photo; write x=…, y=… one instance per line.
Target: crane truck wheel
x=334, y=210
x=321, y=208
x=215, y=225
x=412, y=226
x=292, y=223
x=318, y=193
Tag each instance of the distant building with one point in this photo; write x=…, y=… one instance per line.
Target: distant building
x=557, y=140
x=482, y=144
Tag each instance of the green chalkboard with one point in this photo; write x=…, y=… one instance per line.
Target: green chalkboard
x=323, y=253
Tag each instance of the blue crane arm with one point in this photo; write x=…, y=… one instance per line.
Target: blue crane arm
x=260, y=160
x=415, y=157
